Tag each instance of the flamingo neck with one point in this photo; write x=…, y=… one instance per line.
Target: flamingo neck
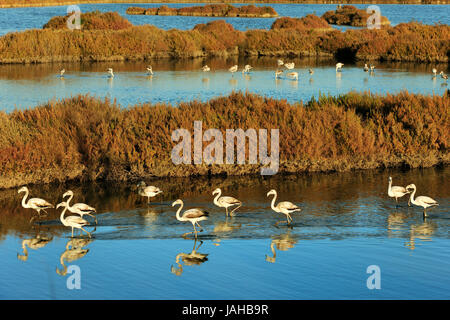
x=272, y=205
x=24, y=204
x=390, y=187
x=412, y=197
x=216, y=199
x=61, y=217
x=70, y=198
x=178, y=212
x=272, y=247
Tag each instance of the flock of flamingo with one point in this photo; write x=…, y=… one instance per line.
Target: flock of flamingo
x=278, y=73
x=196, y=215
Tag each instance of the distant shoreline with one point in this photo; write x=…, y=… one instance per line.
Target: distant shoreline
x=50, y=3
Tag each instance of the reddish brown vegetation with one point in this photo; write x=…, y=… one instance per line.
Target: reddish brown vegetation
x=308, y=22
x=86, y=138
x=95, y=20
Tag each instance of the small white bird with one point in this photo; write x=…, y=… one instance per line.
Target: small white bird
x=443, y=75
x=290, y=65
x=34, y=203
x=233, y=69
x=372, y=68
x=421, y=201
x=150, y=70
x=396, y=191
x=110, y=73
x=293, y=75
x=434, y=70
x=79, y=208
x=284, y=207
x=247, y=68
x=72, y=221
x=280, y=62
x=192, y=215
x=61, y=73
x=278, y=74
x=311, y=71
x=148, y=191
x=205, y=68
x=366, y=67
x=339, y=66
x=226, y=202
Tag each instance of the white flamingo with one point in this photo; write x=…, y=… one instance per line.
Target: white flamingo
x=366, y=67
x=61, y=73
x=396, y=191
x=110, y=73
x=421, y=201
x=434, y=70
x=280, y=62
x=148, y=191
x=226, y=202
x=192, y=215
x=233, y=69
x=293, y=75
x=278, y=74
x=150, y=70
x=247, y=68
x=372, y=68
x=34, y=203
x=290, y=65
x=339, y=66
x=311, y=71
x=72, y=221
x=79, y=208
x=284, y=207
x=205, y=68
x=443, y=75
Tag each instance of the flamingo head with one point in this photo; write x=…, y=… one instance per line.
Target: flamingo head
x=411, y=187
x=68, y=193
x=179, y=201
x=390, y=179
x=216, y=191
x=141, y=184
x=271, y=192
x=23, y=189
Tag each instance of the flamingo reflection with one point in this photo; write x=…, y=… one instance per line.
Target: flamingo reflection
x=74, y=251
x=189, y=259
x=283, y=242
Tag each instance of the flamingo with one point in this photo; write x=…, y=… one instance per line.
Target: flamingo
x=79, y=208
x=289, y=66
x=191, y=215
x=293, y=75
x=284, y=207
x=34, y=203
x=233, y=69
x=434, y=70
x=226, y=202
x=205, y=68
x=396, y=191
x=339, y=66
x=421, y=201
x=372, y=68
x=366, y=68
x=311, y=71
x=110, y=72
x=443, y=75
x=247, y=68
x=280, y=62
x=72, y=221
x=61, y=73
x=148, y=191
x=149, y=70
x=278, y=74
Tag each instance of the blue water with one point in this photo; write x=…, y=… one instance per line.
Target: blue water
x=347, y=223
x=17, y=19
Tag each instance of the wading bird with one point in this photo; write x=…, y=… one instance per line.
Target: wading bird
x=34, y=203
x=79, y=208
x=148, y=191
x=149, y=70
x=396, y=191
x=278, y=74
x=72, y=221
x=280, y=62
x=339, y=66
x=284, y=207
x=311, y=71
x=372, y=68
x=61, y=73
x=443, y=75
x=366, y=68
x=233, y=69
x=192, y=215
x=434, y=70
x=110, y=73
x=421, y=201
x=289, y=66
x=205, y=68
x=247, y=68
x=293, y=75
x=226, y=202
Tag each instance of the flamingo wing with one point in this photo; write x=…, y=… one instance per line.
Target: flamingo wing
x=195, y=213
x=426, y=200
x=82, y=207
x=229, y=200
x=77, y=220
x=40, y=203
x=286, y=205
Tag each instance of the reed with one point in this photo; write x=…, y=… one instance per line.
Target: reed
x=87, y=138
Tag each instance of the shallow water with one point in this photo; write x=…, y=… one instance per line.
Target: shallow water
x=23, y=86
x=17, y=19
x=347, y=223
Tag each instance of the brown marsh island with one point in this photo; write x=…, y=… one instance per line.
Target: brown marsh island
x=210, y=10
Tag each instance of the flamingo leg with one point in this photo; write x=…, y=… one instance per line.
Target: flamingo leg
x=232, y=211
x=226, y=210
x=72, y=232
x=86, y=232
x=199, y=226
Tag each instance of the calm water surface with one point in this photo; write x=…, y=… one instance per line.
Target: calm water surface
x=347, y=223
x=23, y=86
x=17, y=19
